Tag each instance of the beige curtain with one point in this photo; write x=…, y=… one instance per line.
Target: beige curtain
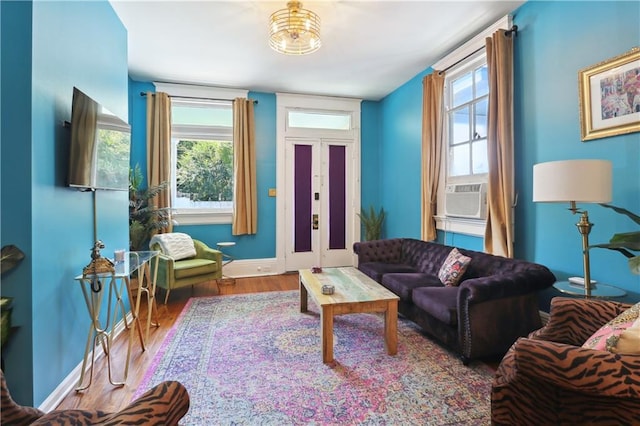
x=432, y=140
x=245, y=211
x=159, y=147
x=498, y=237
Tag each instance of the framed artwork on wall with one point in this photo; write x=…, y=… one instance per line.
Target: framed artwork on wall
x=610, y=97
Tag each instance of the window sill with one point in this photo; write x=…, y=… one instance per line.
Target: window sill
x=201, y=218
x=459, y=225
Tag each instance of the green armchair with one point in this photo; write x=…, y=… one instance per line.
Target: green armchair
x=184, y=261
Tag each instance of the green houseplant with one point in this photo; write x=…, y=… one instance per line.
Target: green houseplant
x=626, y=242
x=145, y=219
x=372, y=223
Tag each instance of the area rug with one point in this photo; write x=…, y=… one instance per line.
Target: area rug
x=256, y=360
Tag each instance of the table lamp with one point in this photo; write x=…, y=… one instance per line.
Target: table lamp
x=574, y=181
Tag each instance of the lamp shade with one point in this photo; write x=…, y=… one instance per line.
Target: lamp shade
x=581, y=181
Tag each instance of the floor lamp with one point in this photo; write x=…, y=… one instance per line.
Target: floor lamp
x=575, y=181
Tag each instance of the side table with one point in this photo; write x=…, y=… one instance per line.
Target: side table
x=226, y=259
x=599, y=291
x=94, y=287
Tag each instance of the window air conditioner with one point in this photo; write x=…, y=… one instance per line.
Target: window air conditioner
x=467, y=200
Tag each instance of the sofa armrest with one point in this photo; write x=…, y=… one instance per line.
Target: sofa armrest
x=482, y=289
x=205, y=252
x=587, y=371
x=386, y=251
x=573, y=321
x=163, y=404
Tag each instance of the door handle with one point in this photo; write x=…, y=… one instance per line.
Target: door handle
x=314, y=221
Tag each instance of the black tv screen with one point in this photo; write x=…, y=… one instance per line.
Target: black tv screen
x=100, y=146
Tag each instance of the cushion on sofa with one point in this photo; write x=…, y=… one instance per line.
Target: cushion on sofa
x=193, y=267
x=628, y=343
x=607, y=337
x=453, y=268
x=440, y=302
x=402, y=284
x=376, y=270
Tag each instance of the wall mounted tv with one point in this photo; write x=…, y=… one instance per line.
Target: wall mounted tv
x=100, y=146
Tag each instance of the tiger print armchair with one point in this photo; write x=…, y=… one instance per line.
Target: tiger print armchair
x=164, y=404
x=549, y=379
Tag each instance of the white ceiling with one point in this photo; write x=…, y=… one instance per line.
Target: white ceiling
x=369, y=48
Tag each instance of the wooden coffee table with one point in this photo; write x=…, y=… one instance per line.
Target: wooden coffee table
x=354, y=293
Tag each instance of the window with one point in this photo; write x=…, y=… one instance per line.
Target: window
x=467, y=93
x=202, y=160
x=327, y=120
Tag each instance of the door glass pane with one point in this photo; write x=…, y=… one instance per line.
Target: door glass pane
x=479, y=156
x=302, y=198
x=460, y=128
x=459, y=160
x=462, y=90
x=319, y=120
x=481, y=78
x=337, y=197
x=481, y=119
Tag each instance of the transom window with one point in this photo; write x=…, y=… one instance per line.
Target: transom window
x=202, y=157
x=327, y=120
x=467, y=95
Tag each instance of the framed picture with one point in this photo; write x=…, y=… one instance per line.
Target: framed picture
x=610, y=97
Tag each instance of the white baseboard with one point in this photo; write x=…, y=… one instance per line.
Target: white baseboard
x=71, y=381
x=253, y=268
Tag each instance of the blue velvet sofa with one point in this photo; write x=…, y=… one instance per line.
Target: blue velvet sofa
x=494, y=303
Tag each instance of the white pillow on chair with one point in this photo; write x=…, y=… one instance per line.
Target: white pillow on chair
x=176, y=245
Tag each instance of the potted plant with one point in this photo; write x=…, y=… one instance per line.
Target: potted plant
x=626, y=242
x=372, y=223
x=145, y=219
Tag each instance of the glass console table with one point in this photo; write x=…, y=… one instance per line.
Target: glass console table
x=599, y=291
x=94, y=286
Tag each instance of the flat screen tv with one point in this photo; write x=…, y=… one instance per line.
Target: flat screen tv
x=100, y=146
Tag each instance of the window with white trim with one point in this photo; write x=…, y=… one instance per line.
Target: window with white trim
x=202, y=160
x=466, y=100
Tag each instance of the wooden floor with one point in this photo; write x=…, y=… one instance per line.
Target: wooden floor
x=104, y=396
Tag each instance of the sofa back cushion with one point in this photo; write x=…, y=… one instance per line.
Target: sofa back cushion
x=428, y=258
x=424, y=256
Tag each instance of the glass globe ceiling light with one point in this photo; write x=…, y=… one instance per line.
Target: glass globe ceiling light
x=294, y=30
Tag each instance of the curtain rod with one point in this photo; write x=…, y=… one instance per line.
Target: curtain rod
x=196, y=97
x=513, y=30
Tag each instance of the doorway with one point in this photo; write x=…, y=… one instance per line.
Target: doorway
x=319, y=181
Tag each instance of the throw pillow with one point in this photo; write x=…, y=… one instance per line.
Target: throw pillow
x=629, y=340
x=453, y=268
x=608, y=336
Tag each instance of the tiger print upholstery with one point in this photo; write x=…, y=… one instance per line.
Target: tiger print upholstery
x=164, y=404
x=549, y=379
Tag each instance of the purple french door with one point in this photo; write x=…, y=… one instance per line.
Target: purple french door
x=309, y=202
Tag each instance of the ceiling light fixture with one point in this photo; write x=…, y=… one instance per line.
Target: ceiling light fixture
x=294, y=30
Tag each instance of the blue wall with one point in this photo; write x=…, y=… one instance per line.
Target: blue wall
x=400, y=158
x=370, y=135
x=555, y=40
x=16, y=187
x=68, y=44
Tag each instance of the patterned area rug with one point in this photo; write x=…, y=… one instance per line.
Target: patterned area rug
x=256, y=360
